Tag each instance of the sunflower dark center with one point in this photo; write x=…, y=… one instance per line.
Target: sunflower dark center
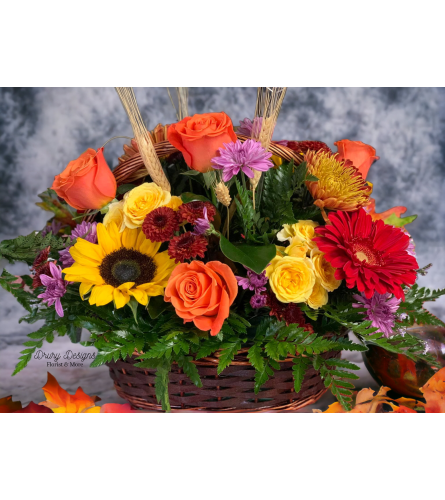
x=127, y=265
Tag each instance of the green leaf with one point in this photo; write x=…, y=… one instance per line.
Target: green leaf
x=26, y=248
x=161, y=386
x=393, y=220
x=157, y=306
x=134, y=308
x=311, y=178
x=228, y=353
x=26, y=299
x=299, y=368
x=190, y=369
x=255, y=357
x=191, y=173
x=124, y=188
x=253, y=257
x=189, y=197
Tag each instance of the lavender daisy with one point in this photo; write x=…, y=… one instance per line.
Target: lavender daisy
x=258, y=301
x=381, y=310
x=85, y=230
x=246, y=126
x=247, y=157
x=55, y=288
x=254, y=282
x=202, y=225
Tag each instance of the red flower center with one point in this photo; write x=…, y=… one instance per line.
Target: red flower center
x=160, y=221
x=363, y=251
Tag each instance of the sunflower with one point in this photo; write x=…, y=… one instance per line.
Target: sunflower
x=340, y=186
x=120, y=266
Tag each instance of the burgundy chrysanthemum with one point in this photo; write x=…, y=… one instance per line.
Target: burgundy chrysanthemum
x=187, y=246
x=194, y=210
x=290, y=313
x=160, y=224
x=303, y=146
x=368, y=254
x=40, y=266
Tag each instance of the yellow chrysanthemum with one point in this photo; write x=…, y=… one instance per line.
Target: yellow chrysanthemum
x=340, y=186
x=120, y=266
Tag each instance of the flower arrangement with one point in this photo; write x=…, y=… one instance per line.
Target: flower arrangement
x=221, y=247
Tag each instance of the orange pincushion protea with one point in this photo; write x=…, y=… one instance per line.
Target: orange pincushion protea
x=340, y=186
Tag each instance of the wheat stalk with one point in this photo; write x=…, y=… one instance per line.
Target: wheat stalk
x=145, y=145
x=182, y=93
x=268, y=105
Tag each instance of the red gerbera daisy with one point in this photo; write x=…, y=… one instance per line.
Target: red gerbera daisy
x=368, y=254
x=187, y=246
x=160, y=224
x=303, y=146
x=290, y=313
x=195, y=210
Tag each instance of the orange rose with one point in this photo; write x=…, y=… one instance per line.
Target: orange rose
x=86, y=182
x=361, y=155
x=202, y=293
x=199, y=138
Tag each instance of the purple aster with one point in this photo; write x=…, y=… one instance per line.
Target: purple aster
x=55, y=288
x=381, y=310
x=202, y=225
x=85, y=230
x=245, y=128
x=247, y=156
x=53, y=228
x=258, y=301
x=253, y=281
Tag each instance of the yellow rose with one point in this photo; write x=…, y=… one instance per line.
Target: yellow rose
x=175, y=202
x=142, y=200
x=304, y=230
x=319, y=296
x=297, y=248
x=324, y=271
x=115, y=214
x=291, y=278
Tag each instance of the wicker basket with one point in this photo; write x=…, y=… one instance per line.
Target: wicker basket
x=231, y=391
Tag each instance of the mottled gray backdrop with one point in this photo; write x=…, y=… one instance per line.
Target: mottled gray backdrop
x=42, y=129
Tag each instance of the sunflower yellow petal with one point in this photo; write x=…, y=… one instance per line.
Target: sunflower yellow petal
x=148, y=247
x=84, y=289
x=120, y=299
x=151, y=289
x=89, y=249
x=126, y=286
x=109, y=239
x=140, y=295
x=129, y=237
x=101, y=295
x=83, y=259
x=94, y=280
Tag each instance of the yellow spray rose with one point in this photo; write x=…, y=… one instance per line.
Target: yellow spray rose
x=319, y=296
x=291, y=278
x=297, y=248
x=115, y=214
x=142, y=200
x=324, y=271
x=304, y=230
x=175, y=202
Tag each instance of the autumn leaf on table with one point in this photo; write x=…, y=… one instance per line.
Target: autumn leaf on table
x=34, y=408
x=60, y=401
x=7, y=405
x=365, y=402
x=117, y=408
x=434, y=393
